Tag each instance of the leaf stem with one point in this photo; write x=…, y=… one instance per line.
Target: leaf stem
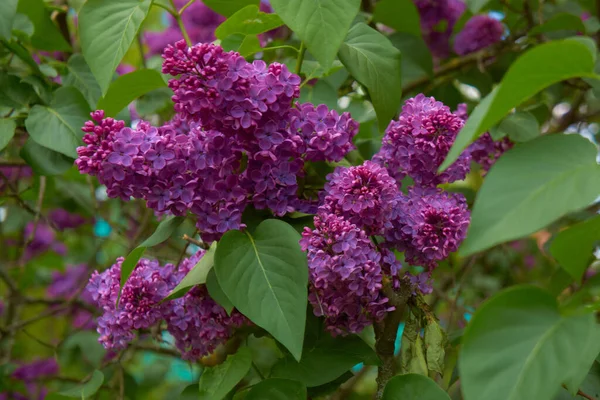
x=189, y=3
x=170, y=11
x=177, y=16
x=281, y=47
x=300, y=58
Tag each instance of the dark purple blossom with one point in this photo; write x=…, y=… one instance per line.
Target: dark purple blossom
x=428, y=224
x=478, y=33
x=438, y=18
x=364, y=195
x=419, y=141
x=345, y=275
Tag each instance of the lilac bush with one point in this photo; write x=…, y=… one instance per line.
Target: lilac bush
x=318, y=200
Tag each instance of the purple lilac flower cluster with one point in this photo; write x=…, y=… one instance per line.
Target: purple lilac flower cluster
x=418, y=142
x=347, y=262
x=485, y=151
x=195, y=320
x=364, y=195
x=29, y=374
x=345, y=275
x=478, y=33
x=428, y=224
x=438, y=18
x=236, y=140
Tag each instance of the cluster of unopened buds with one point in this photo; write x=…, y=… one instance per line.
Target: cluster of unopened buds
x=239, y=139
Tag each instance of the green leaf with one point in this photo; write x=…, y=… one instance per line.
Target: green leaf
x=248, y=21
x=217, y=381
x=80, y=76
x=325, y=359
x=229, y=7
x=189, y=393
x=319, y=93
x=8, y=11
x=531, y=72
x=435, y=344
x=521, y=126
x=126, y=88
x=87, y=389
x=44, y=161
x=22, y=25
x=267, y=271
x=46, y=36
x=58, y=126
x=244, y=44
x=277, y=389
x=376, y=63
x=197, y=275
x=416, y=57
x=517, y=345
x=402, y=15
x=7, y=131
x=107, y=29
x=580, y=368
x=531, y=186
x=412, y=352
x=216, y=292
x=24, y=55
x=476, y=5
x=573, y=247
x=87, y=344
x=321, y=24
x=163, y=231
x=559, y=22
x=413, y=387
x=14, y=93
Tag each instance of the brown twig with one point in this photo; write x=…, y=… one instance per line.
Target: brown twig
x=460, y=62
x=196, y=242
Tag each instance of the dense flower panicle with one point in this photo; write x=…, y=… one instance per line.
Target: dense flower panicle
x=198, y=324
x=139, y=305
x=235, y=140
x=438, y=18
x=428, y=224
x=419, y=141
x=364, y=195
x=478, y=33
x=345, y=275
x=485, y=151
x=326, y=134
x=223, y=91
x=69, y=283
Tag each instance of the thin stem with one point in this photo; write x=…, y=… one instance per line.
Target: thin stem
x=189, y=3
x=283, y=46
x=170, y=11
x=181, y=26
x=300, y=58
